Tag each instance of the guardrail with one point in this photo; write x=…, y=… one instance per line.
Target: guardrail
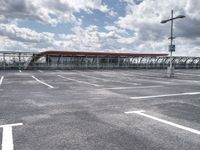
x=25, y=61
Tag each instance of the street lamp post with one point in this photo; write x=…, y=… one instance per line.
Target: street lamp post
x=171, y=47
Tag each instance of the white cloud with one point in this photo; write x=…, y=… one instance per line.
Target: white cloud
x=116, y=29
x=24, y=34
x=78, y=5
x=91, y=39
x=15, y=38
x=47, y=11
x=144, y=20
x=138, y=31
x=110, y=28
x=192, y=9
x=82, y=39
x=112, y=13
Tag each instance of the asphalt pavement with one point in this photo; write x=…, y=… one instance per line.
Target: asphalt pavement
x=99, y=110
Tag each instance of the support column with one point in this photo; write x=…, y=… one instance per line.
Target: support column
x=97, y=62
x=118, y=61
x=62, y=62
x=4, y=61
x=86, y=62
x=19, y=65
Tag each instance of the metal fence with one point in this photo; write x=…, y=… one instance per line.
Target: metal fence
x=24, y=60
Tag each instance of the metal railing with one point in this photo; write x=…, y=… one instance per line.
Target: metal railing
x=22, y=60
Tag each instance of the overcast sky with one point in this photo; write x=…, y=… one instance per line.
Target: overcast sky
x=99, y=25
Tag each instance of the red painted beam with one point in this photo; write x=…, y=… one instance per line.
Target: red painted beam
x=97, y=53
x=74, y=53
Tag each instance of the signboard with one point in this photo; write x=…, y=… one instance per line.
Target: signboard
x=172, y=48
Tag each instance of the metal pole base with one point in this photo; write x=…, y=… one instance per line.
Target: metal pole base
x=170, y=72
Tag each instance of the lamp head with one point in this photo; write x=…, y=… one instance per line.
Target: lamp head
x=181, y=16
x=163, y=21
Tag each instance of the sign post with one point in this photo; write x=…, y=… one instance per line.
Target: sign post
x=172, y=47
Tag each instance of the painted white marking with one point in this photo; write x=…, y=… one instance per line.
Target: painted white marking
x=50, y=86
x=188, y=74
x=84, y=82
x=20, y=71
x=11, y=125
x=148, y=78
x=108, y=79
x=80, y=73
x=134, y=87
x=63, y=72
x=40, y=71
x=166, y=95
x=1, y=80
x=7, y=138
x=181, y=81
x=142, y=113
x=126, y=74
x=152, y=79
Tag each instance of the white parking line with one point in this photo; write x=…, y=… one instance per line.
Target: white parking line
x=40, y=71
x=11, y=125
x=7, y=138
x=154, y=80
x=1, y=80
x=84, y=82
x=186, y=81
x=133, y=87
x=50, y=86
x=166, y=95
x=62, y=71
x=108, y=79
x=188, y=74
x=141, y=113
x=80, y=73
x=149, y=78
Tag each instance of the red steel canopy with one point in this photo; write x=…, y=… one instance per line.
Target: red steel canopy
x=98, y=53
x=75, y=53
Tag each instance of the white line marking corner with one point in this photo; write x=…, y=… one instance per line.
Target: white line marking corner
x=7, y=137
x=142, y=113
x=11, y=125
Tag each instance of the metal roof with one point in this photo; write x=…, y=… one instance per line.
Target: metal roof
x=98, y=54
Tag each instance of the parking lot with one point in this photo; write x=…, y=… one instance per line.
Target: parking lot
x=99, y=110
